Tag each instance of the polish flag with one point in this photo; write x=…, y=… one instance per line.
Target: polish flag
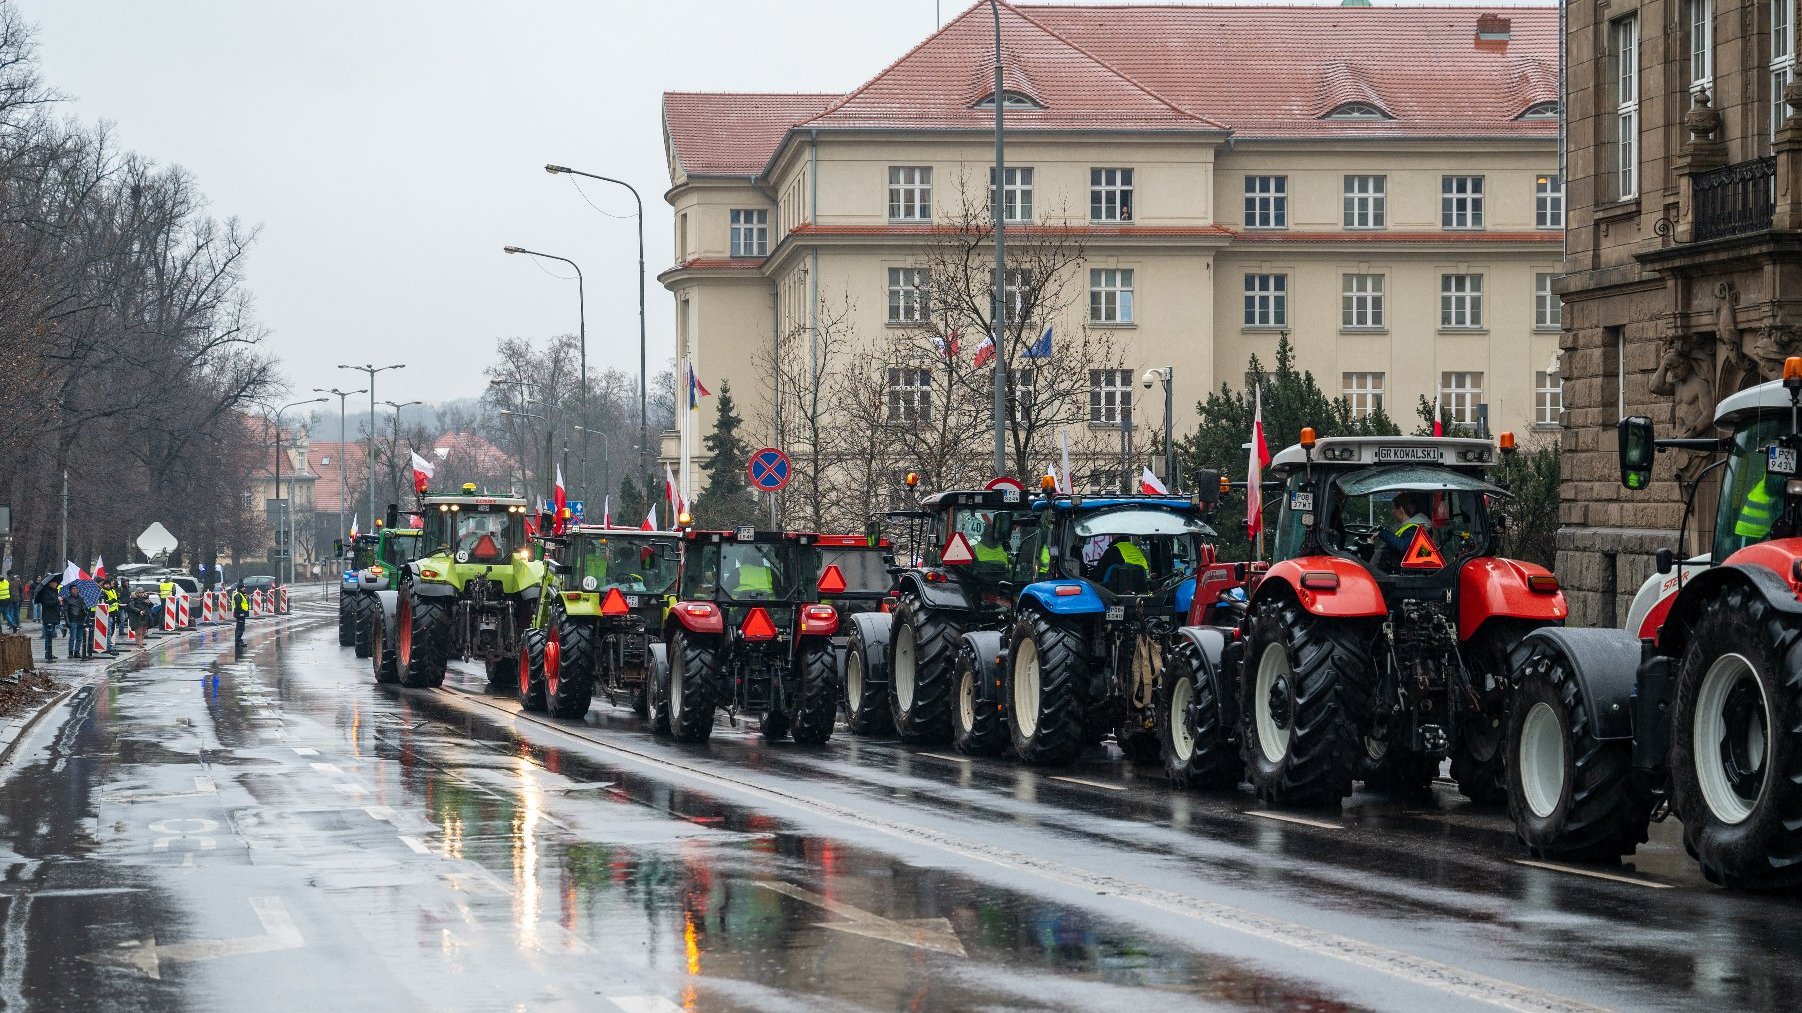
x=1149, y=484
x=1254, y=470
x=73, y=573
x=606, y=511
x=1438, y=421
x=671, y=494
x=422, y=473
x=985, y=352
x=559, y=501
x=99, y=567
x=650, y=520
x=947, y=346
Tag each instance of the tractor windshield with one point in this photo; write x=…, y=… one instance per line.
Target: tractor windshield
x=634, y=565
x=484, y=536
x=1134, y=550
x=864, y=570
x=1411, y=520
x=749, y=571
x=993, y=540
x=1750, y=497
x=403, y=548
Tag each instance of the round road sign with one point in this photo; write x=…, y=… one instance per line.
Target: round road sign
x=769, y=469
x=1005, y=482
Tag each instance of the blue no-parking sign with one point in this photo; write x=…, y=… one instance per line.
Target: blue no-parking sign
x=769, y=469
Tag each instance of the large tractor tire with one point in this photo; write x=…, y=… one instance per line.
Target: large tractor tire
x=867, y=709
x=501, y=673
x=656, y=688
x=1193, y=742
x=1303, y=699
x=978, y=728
x=816, y=709
x=570, y=689
x=1479, y=754
x=1570, y=795
x=382, y=656
x=347, y=623
x=363, y=612
x=532, y=647
x=423, y=632
x=694, y=667
x=922, y=646
x=1048, y=669
x=1736, y=762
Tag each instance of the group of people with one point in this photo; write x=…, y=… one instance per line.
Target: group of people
x=67, y=610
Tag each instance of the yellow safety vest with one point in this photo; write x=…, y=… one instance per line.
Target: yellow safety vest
x=240, y=604
x=1131, y=556
x=1759, y=513
x=112, y=596
x=986, y=553
x=6, y=590
x=166, y=588
x=756, y=577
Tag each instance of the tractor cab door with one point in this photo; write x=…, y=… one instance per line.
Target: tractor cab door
x=1752, y=496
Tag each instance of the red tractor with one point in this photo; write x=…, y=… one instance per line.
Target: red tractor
x=1377, y=643
x=1694, y=709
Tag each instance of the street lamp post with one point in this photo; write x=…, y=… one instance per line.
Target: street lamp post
x=582, y=325
x=1166, y=374
x=606, y=456
x=343, y=469
x=392, y=472
x=285, y=508
x=643, y=410
x=998, y=189
x=372, y=371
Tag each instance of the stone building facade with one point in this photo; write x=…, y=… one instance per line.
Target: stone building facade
x=1682, y=283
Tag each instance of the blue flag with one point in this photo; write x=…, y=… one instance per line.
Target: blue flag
x=1041, y=349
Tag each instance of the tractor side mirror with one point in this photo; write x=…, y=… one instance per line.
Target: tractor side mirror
x=1666, y=562
x=556, y=567
x=1207, y=488
x=393, y=518
x=547, y=522
x=1637, y=448
x=337, y=546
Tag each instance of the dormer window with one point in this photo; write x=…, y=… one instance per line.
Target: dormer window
x=1357, y=111
x=1541, y=111
x=1009, y=99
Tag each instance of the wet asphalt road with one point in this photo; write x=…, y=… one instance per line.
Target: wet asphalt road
x=274, y=831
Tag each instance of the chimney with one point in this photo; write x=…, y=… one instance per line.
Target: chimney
x=1493, y=28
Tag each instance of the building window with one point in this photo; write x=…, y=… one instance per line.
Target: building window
x=1266, y=202
x=1361, y=301
x=1548, y=309
x=1110, y=396
x=1363, y=392
x=1111, y=295
x=1103, y=480
x=907, y=301
x=682, y=238
x=1459, y=395
x=1548, y=202
x=1020, y=294
x=1460, y=300
x=1009, y=100
x=1701, y=44
x=1266, y=300
x=1548, y=398
x=1016, y=195
x=909, y=395
x=1783, y=55
x=1110, y=195
x=1357, y=111
x=750, y=232
x=1623, y=44
x=1022, y=385
x=1541, y=111
x=909, y=193
x=1461, y=202
x=1366, y=202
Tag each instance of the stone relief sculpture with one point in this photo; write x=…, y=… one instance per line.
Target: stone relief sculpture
x=1775, y=344
x=1686, y=365
x=1735, y=368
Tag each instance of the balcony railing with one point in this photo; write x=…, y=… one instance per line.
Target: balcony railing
x=1735, y=200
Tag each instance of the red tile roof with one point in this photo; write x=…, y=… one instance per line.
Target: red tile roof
x=718, y=134
x=324, y=458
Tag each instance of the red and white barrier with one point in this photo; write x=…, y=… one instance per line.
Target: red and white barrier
x=281, y=600
x=183, y=617
x=257, y=605
x=103, y=628
x=169, y=615
x=206, y=608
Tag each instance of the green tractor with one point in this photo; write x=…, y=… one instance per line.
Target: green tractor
x=395, y=547
x=599, y=621
x=473, y=595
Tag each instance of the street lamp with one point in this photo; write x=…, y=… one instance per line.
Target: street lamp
x=392, y=471
x=343, y=473
x=643, y=411
x=523, y=385
x=1166, y=374
x=606, y=454
x=280, y=509
x=372, y=371
x=582, y=324
x=998, y=191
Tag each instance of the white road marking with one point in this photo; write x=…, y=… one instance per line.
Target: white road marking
x=306, y=751
x=414, y=843
x=644, y=1004
x=1091, y=784
x=147, y=956
x=1594, y=874
x=204, y=785
x=326, y=768
x=380, y=813
x=352, y=789
x=934, y=934
x=944, y=756
x=1302, y=820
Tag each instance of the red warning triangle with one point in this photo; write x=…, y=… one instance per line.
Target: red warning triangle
x=614, y=604
x=957, y=551
x=757, y=626
x=1422, y=554
x=833, y=580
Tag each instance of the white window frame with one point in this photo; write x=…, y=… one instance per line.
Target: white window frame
x=1701, y=45
x=1361, y=302
x=909, y=299
x=910, y=193
x=1363, y=392
x=1623, y=43
x=1019, y=285
x=1783, y=57
x=1460, y=302
x=909, y=395
x=1266, y=202
x=1459, y=395
x=1548, y=399
x=1366, y=202
x=1022, y=387
x=1548, y=201
x=1267, y=300
x=1110, y=391
x=1111, y=295
x=1548, y=308
x=1461, y=202
x=750, y=234
x=1110, y=195
x=1016, y=195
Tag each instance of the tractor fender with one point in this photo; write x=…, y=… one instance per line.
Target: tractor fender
x=987, y=645
x=1606, y=666
x=947, y=594
x=658, y=672
x=1494, y=588
x=432, y=589
x=1206, y=647
x=1765, y=566
x=679, y=615
x=529, y=592
x=389, y=601
x=368, y=581
x=1357, y=595
x=1044, y=595
x=1208, y=642
x=873, y=630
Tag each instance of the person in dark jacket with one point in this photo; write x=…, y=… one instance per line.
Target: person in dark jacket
x=80, y=621
x=50, y=610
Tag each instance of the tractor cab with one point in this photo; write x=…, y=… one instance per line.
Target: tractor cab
x=973, y=538
x=477, y=530
x=616, y=571
x=1144, y=549
x=748, y=569
x=854, y=572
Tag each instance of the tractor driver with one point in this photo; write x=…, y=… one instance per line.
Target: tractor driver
x=1123, y=553
x=480, y=543
x=1760, y=510
x=1410, y=511
x=989, y=548
x=753, y=574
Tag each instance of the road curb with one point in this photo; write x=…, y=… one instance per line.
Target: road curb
x=16, y=730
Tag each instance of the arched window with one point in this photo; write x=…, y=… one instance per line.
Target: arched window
x=1011, y=100
x=1357, y=111
x=1541, y=111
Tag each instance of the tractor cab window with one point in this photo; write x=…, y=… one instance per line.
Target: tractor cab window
x=750, y=571
x=1135, y=550
x=483, y=536
x=1413, y=520
x=864, y=569
x=362, y=554
x=1751, y=499
x=404, y=548
x=634, y=565
x=994, y=541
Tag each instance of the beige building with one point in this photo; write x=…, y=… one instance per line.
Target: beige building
x=1382, y=184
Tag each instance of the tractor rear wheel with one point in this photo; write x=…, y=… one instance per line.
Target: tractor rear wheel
x=569, y=695
x=381, y=653
x=866, y=706
x=816, y=709
x=656, y=687
x=363, y=609
x=1049, y=668
x=922, y=642
x=532, y=646
x=1736, y=771
x=1192, y=739
x=1570, y=795
x=1478, y=757
x=694, y=660
x=1305, y=697
x=976, y=726
x=423, y=629
x=347, y=622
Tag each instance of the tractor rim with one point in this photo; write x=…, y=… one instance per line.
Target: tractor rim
x=525, y=670
x=1026, y=688
x=403, y=636
x=678, y=671
x=1542, y=760
x=854, y=683
x=966, y=699
x=553, y=659
x=1182, y=740
x=1271, y=703
x=1731, y=738
x=904, y=667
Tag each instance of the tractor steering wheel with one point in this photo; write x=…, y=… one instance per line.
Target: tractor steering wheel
x=1361, y=539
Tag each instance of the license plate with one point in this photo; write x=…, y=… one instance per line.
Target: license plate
x=1780, y=460
x=631, y=601
x=1116, y=613
x=1427, y=455
x=1301, y=501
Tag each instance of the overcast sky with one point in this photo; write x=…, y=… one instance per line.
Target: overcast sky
x=389, y=148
